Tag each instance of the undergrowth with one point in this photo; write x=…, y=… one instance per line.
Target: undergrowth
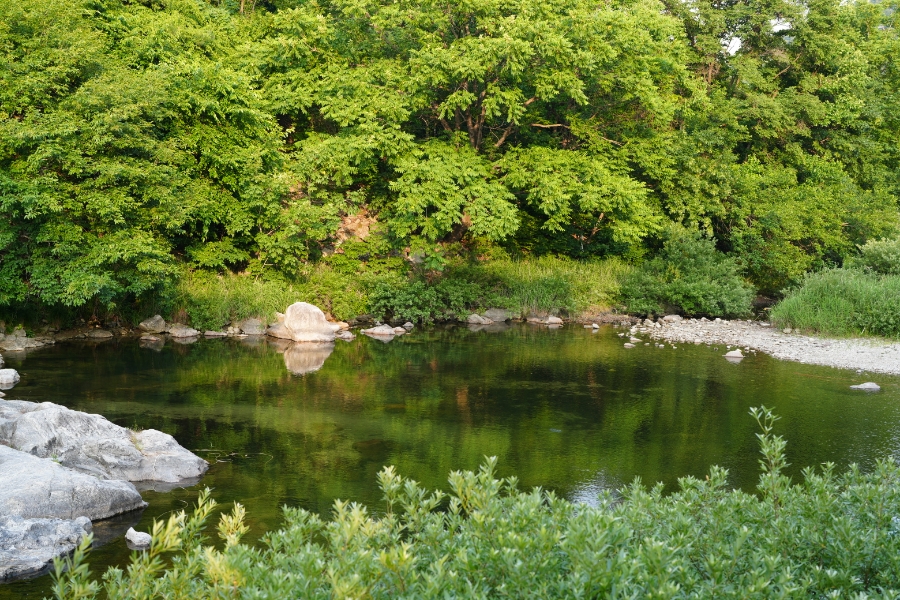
x=843, y=302
x=831, y=535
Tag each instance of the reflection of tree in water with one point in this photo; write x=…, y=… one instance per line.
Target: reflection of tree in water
x=558, y=408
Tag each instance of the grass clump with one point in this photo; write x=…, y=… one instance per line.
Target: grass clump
x=689, y=276
x=831, y=535
x=843, y=302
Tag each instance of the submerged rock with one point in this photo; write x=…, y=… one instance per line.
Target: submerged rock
x=28, y=546
x=138, y=540
x=155, y=324
x=33, y=487
x=307, y=323
x=868, y=386
x=91, y=444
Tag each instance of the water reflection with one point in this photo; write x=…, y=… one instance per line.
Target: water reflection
x=301, y=358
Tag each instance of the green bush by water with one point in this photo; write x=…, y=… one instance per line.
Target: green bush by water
x=843, y=302
x=831, y=535
x=878, y=256
x=691, y=277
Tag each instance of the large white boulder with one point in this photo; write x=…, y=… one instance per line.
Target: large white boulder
x=28, y=546
x=33, y=487
x=307, y=323
x=91, y=444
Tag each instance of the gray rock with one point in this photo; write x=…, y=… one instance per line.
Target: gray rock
x=629, y=345
x=407, y=326
x=214, y=334
x=307, y=323
x=734, y=354
x=138, y=540
x=177, y=330
x=155, y=324
x=551, y=320
x=8, y=378
x=252, y=326
x=382, y=331
x=33, y=487
x=868, y=386
x=594, y=326
x=345, y=335
x=301, y=358
x=498, y=315
x=91, y=444
x=672, y=318
x=99, y=334
x=280, y=331
x=28, y=546
x=474, y=319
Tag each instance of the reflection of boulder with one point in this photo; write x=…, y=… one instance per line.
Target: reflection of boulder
x=306, y=358
x=307, y=323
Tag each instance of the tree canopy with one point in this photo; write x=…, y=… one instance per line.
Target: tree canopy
x=140, y=137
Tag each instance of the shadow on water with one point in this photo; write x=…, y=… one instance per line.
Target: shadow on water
x=569, y=410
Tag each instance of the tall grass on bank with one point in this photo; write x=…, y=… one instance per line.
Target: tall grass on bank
x=551, y=283
x=832, y=535
x=843, y=302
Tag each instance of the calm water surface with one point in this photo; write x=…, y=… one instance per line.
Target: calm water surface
x=568, y=410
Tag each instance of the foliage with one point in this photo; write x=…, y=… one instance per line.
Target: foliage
x=827, y=536
x=843, y=302
x=691, y=277
x=878, y=256
x=138, y=139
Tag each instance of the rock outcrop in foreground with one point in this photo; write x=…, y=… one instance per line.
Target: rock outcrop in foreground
x=91, y=444
x=28, y=546
x=33, y=487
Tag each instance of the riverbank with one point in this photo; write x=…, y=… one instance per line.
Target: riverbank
x=863, y=354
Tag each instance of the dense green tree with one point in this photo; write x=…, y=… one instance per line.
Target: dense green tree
x=137, y=138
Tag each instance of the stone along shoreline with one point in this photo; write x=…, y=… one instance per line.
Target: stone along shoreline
x=871, y=355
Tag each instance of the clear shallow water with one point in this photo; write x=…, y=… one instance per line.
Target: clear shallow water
x=567, y=410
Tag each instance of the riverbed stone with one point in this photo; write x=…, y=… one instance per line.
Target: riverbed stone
x=671, y=318
x=498, y=315
x=868, y=386
x=474, y=319
x=28, y=546
x=551, y=320
x=99, y=334
x=91, y=444
x=155, y=324
x=138, y=540
x=33, y=487
x=629, y=345
x=734, y=354
x=177, y=330
x=381, y=330
x=8, y=378
x=252, y=326
x=307, y=323
x=279, y=331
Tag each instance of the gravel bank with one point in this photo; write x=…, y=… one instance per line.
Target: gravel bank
x=875, y=356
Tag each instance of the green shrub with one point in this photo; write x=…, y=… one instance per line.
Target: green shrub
x=843, y=302
x=422, y=301
x=691, y=277
x=831, y=535
x=878, y=256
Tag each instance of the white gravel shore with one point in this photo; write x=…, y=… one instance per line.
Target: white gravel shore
x=872, y=355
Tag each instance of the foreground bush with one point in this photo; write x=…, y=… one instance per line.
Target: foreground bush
x=691, y=277
x=843, y=302
x=829, y=536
